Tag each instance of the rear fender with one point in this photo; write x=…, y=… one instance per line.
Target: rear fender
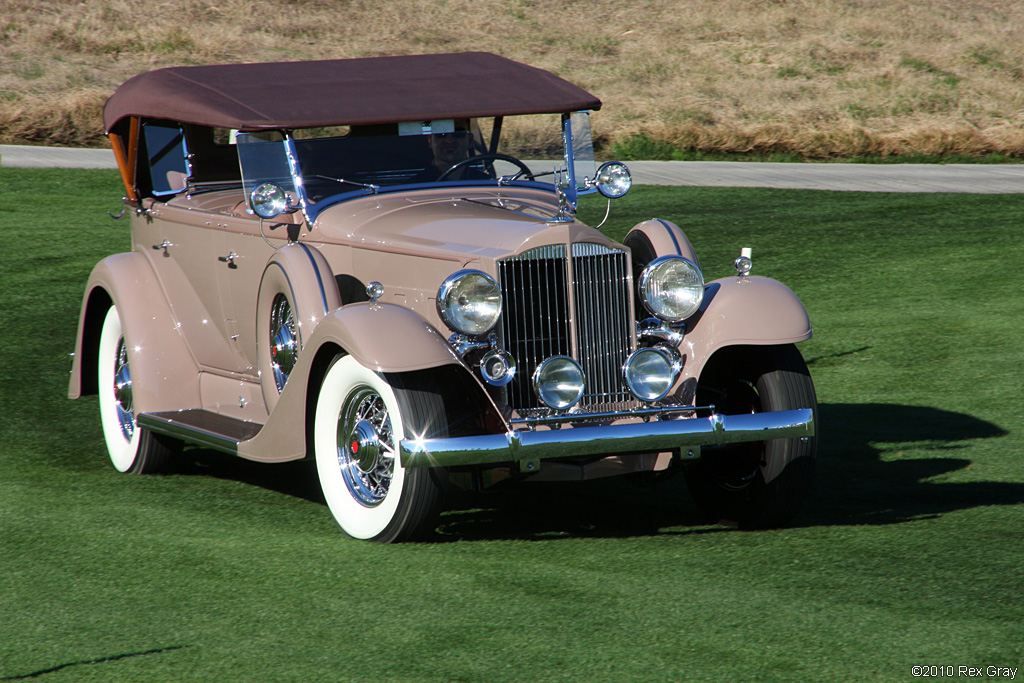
x=164, y=373
x=743, y=310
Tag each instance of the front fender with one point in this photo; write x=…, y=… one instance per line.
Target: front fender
x=164, y=373
x=743, y=310
x=657, y=237
x=384, y=337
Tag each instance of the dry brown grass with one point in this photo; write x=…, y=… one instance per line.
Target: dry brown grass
x=817, y=78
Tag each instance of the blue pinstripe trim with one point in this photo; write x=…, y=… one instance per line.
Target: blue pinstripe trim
x=314, y=210
x=679, y=251
x=319, y=280
x=292, y=290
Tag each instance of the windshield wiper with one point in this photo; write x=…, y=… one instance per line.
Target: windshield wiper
x=506, y=179
x=374, y=189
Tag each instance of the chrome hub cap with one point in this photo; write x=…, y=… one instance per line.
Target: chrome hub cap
x=284, y=347
x=366, y=447
x=123, y=392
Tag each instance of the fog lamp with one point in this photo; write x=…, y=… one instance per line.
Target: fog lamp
x=650, y=373
x=497, y=367
x=559, y=382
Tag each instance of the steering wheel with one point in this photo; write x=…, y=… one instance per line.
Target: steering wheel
x=523, y=168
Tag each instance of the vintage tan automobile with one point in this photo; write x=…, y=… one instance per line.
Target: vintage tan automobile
x=335, y=260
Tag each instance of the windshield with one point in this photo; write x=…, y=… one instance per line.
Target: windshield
x=392, y=154
x=331, y=165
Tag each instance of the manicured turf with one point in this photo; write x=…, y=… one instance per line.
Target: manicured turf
x=909, y=551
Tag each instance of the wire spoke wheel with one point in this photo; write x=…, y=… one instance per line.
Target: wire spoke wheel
x=366, y=447
x=130, y=449
x=736, y=466
x=284, y=345
x=123, y=392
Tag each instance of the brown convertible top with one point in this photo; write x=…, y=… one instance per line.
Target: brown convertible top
x=345, y=92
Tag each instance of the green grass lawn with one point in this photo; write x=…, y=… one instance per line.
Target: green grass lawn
x=909, y=551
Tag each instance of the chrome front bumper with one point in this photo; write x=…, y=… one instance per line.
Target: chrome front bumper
x=530, y=447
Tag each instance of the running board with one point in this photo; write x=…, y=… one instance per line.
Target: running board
x=201, y=427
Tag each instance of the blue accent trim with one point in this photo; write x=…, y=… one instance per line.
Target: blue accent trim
x=314, y=210
x=679, y=251
x=294, y=299
x=571, y=194
x=319, y=280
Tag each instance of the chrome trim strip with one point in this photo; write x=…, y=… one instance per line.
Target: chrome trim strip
x=521, y=445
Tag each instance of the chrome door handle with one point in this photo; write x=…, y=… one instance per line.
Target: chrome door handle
x=229, y=259
x=164, y=245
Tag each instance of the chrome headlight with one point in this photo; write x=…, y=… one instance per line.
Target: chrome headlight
x=469, y=302
x=672, y=288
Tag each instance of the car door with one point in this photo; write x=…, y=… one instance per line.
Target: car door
x=188, y=242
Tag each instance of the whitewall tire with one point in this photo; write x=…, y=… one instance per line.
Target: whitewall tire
x=130, y=448
x=357, y=427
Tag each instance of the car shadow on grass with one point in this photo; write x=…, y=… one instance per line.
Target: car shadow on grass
x=877, y=464
x=885, y=464
x=297, y=479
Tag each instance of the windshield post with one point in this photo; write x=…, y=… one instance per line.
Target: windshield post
x=581, y=169
x=496, y=133
x=296, y=171
x=567, y=186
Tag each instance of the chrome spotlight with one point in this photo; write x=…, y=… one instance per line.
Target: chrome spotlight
x=559, y=382
x=650, y=373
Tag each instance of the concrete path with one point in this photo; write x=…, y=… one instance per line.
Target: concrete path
x=973, y=178
x=17, y=156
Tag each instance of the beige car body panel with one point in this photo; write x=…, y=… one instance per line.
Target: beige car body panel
x=163, y=367
x=356, y=329
x=667, y=239
x=739, y=311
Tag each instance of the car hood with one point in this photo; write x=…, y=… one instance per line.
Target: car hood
x=467, y=226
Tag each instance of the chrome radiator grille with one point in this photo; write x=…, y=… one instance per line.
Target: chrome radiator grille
x=535, y=315
x=603, y=328
x=537, y=319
